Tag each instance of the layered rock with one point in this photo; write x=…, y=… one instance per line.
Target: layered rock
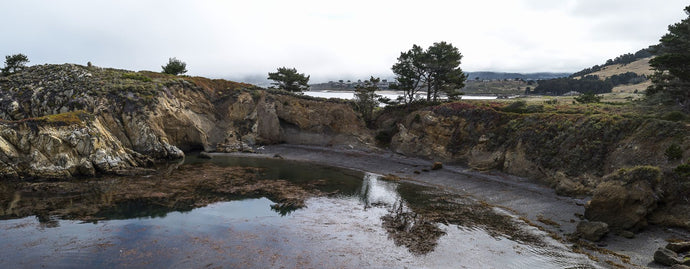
x=157, y=116
x=75, y=144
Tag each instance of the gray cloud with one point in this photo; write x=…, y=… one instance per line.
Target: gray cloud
x=355, y=38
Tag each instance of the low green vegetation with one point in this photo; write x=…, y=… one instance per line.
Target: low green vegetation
x=683, y=170
x=136, y=76
x=588, y=98
x=651, y=174
x=674, y=152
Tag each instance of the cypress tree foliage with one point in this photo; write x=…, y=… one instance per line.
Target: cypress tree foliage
x=410, y=73
x=14, y=63
x=445, y=74
x=174, y=67
x=366, y=99
x=672, y=64
x=288, y=79
x=437, y=69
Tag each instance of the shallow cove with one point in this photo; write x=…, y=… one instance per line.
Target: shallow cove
x=196, y=216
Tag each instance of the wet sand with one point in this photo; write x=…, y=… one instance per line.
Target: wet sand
x=524, y=198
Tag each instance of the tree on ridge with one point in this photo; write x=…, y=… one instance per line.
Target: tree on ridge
x=288, y=79
x=14, y=63
x=174, y=67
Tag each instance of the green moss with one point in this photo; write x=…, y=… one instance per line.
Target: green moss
x=64, y=119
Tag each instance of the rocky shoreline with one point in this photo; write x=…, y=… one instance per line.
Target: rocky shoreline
x=527, y=199
x=70, y=121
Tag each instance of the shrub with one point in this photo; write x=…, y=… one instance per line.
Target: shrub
x=136, y=76
x=651, y=174
x=674, y=116
x=522, y=107
x=515, y=107
x=683, y=169
x=674, y=152
x=588, y=98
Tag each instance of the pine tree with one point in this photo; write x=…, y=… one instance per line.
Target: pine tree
x=366, y=99
x=288, y=79
x=175, y=67
x=672, y=64
x=14, y=63
x=437, y=69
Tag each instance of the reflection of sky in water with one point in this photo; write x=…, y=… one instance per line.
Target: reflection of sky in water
x=376, y=191
x=329, y=232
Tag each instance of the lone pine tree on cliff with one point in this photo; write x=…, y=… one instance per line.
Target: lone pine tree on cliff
x=14, y=63
x=436, y=69
x=672, y=64
x=288, y=79
x=175, y=67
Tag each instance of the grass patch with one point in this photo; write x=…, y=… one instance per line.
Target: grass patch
x=136, y=76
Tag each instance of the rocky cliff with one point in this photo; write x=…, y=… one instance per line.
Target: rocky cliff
x=576, y=150
x=65, y=120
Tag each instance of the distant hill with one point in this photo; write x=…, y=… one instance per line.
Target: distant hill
x=484, y=75
x=640, y=67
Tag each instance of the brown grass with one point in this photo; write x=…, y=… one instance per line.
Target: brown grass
x=640, y=67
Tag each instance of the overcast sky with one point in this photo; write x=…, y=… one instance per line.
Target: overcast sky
x=329, y=39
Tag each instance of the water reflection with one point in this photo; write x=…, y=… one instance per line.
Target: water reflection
x=376, y=192
x=244, y=212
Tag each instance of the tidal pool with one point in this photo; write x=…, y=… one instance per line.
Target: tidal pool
x=233, y=212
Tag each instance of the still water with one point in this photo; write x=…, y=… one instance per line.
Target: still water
x=393, y=95
x=357, y=220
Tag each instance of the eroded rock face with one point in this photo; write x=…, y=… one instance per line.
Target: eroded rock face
x=153, y=115
x=48, y=151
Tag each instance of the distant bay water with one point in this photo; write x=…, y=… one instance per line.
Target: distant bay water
x=349, y=95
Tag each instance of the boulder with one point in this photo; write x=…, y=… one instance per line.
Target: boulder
x=592, y=231
x=679, y=266
x=568, y=187
x=623, y=206
x=666, y=257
